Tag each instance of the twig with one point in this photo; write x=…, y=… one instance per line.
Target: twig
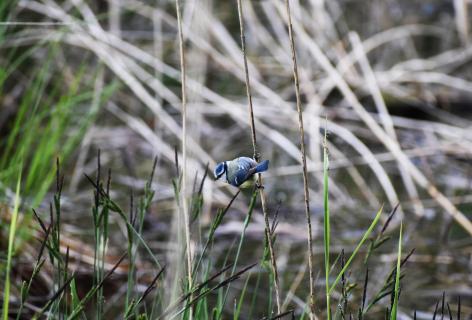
x=256, y=157
x=303, y=153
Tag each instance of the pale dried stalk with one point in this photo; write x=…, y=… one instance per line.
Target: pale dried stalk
x=385, y=117
x=351, y=98
x=183, y=196
x=303, y=153
x=120, y=64
x=256, y=157
x=232, y=108
x=462, y=21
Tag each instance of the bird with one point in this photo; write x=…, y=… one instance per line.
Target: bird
x=239, y=170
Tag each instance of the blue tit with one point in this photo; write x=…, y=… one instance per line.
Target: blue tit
x=240, y=170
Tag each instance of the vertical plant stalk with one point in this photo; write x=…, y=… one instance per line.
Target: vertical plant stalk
x=184, y=149
x=461, y=17
x=303, y=153
x=326, y=227
x=256, y=157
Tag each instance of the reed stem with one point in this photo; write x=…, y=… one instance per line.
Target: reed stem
x=184, y=151
x=256, y=157
x=303, y=156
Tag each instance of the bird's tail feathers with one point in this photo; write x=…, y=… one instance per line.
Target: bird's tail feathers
x=263, y=166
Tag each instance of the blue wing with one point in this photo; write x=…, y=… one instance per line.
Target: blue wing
x=239, y=170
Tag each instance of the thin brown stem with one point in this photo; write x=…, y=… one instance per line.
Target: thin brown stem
x=184, y=148
x=248, y=86
x=303, y=152
x=256, y=157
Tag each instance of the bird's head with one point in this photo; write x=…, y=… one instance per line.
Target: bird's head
x=220, y=170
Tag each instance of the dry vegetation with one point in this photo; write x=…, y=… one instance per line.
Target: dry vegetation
x=389, y=82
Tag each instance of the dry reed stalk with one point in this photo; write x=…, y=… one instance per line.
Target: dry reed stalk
x=303, y=154
x=116, y=64
x=256, y=157
x=125, y=67
x=183, y=196
x=384, y=117
x=462, y=21
x=390, y=144
x=126, y=56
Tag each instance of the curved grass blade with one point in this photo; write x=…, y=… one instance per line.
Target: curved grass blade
x=356, y=250
x=393, y=315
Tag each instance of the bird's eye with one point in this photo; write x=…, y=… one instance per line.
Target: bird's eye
x=219, y=170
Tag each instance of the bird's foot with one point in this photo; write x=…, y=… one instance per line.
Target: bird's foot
x=259, y=186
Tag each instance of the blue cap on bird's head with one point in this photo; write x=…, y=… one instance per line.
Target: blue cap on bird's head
x=220, y=170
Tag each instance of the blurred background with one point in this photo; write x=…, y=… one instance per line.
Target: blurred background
x=389, y=81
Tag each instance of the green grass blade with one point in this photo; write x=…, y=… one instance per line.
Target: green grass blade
x=364, y=238
x=240, y=245
x=11, y=239
x=393, y=315
x=237, y=311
